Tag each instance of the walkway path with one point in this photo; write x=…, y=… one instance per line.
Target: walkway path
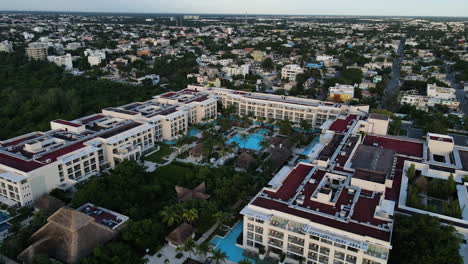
x=169, y=252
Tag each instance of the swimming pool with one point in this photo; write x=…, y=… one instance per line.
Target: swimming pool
x=252, y=141
x=228, y=244
x=193, y=132
x=311, y=146
x=4, y=216
x=4, y=227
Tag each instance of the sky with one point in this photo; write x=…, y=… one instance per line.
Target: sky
x=287, y=7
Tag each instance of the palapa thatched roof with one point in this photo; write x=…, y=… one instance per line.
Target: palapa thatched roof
x=198, y=193
x=68, y=236
x=48, y=203
x=181, y=234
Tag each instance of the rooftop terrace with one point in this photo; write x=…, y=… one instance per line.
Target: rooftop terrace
x=410, y=148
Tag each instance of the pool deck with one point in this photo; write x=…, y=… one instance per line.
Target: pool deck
x=252, y=142
x=228, y=245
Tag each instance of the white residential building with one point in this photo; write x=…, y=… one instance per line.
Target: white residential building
x=343, y=91
x=65, y=60
x=237, y=70
x=95, y=57
x=420, y=101
x=6, y=46
x=37, y=50
x=291, y=71
x=73, y=46
x=445, y=93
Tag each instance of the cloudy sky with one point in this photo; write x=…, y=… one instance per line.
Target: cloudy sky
x=306, y=7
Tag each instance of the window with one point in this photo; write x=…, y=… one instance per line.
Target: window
x=324, y=250
x=339, y=255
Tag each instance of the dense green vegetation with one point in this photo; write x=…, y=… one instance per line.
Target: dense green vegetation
x=149, y=199
x=422, y=239
x=34, y=93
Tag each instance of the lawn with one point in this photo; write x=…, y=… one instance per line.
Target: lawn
x=158, y=157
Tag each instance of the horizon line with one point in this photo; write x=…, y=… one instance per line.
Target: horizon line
x=233, y=14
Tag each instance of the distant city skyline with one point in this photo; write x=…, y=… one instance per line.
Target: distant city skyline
x=291, y=7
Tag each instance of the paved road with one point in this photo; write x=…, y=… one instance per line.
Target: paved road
x=393, y=87
x=459, y=92
x=417, y=133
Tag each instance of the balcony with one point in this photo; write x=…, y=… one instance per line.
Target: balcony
x=297, y=241
x=295, y=249
x=275, y=243
x=276, y=234
x=124, y=153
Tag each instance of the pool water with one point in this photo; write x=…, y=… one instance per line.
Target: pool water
x=4, y=227
x=311, y=146
x=170, y=142
x=193, y=132
x=228, y=244
x=4, y=216
x=252, y=141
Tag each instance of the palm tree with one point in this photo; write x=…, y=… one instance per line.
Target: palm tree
x=245, y=261
x=218, y=256
x=264, y=143
x=203, y=249
x=305, y=125
x=170, y=215
x=189, y=246
x=221, y=216
x=190, y=215
x=261, y=119
x=244, y=137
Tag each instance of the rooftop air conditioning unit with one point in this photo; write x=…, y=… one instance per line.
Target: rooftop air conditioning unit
x=48, y=160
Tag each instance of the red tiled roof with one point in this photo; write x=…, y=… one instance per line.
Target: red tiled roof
x=291, y=183
x=364, y=210
x=345, y=226
x=60, y=152
x=169, y=94
x=91, y=119
x=19, y=164
x=16, y=142
x=67, y=123
x=399, y=146
x=340, y=125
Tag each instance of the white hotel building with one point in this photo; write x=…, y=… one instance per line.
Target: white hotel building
x=338, y=207
x=277, y=107
x=72, y=151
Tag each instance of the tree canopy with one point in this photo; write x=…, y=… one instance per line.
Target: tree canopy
x=34, y=93
x=422, y=239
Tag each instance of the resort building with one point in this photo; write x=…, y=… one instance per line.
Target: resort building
x=338, y=206
x=72, y=151
x=276, y=107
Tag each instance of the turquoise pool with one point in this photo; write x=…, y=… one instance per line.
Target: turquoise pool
x=311, y=146
x=228, y=244
x=252, y=142
x=193, y=132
